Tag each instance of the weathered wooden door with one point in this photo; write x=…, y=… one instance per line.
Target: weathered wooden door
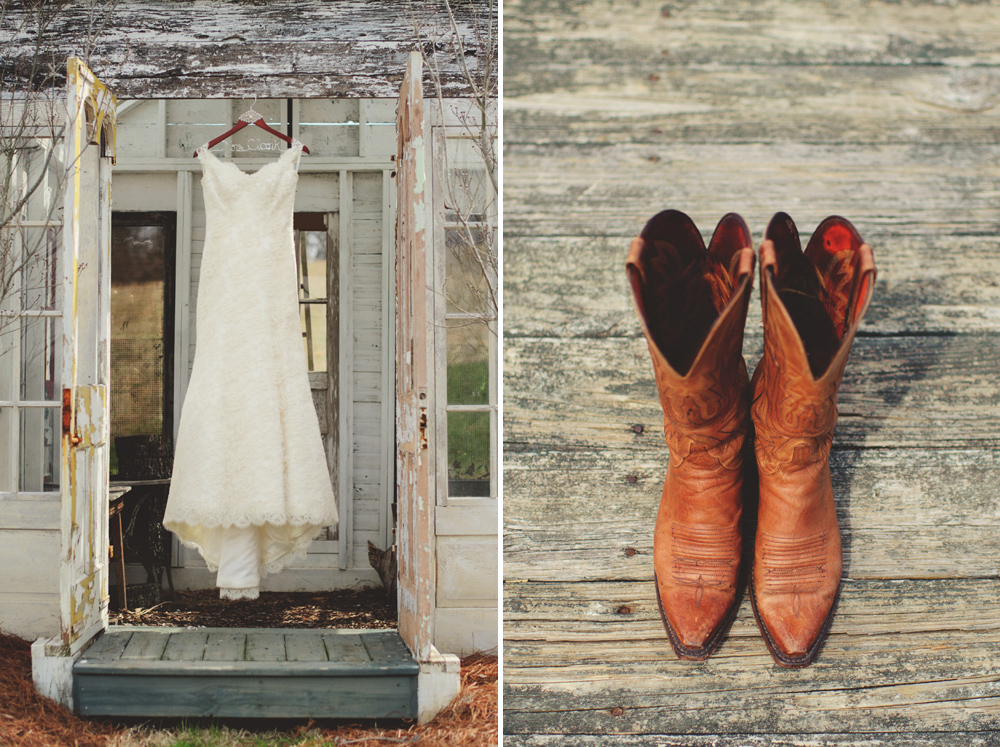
x=90, y=138
x=414, y=374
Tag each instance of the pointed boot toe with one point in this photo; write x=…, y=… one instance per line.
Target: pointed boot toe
x=692, y=303
x=793, y=623
x=813, y=302
x=698, y=617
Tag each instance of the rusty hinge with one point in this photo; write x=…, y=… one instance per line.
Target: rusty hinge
x=67, y=418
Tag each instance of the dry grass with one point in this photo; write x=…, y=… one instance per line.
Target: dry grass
x=29, y=720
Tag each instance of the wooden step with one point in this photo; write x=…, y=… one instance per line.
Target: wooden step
x=246, y=672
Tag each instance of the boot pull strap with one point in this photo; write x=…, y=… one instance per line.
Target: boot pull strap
x=744, y=265
x=768, y=257
x=632, y=262
x=636, y=277
x=862, y=292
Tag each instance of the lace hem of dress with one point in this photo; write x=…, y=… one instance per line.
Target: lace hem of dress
x=198, y=518
x=297, y=552
x=253, y=593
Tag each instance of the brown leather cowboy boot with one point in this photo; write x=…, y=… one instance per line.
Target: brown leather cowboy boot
x=692, y=303
x=813, y=303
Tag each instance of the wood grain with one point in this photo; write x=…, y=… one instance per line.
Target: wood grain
x=882, y=112
x=916, y=655
x=936, y=283
x=903, y=513
x=283, y=49
x=924, y=391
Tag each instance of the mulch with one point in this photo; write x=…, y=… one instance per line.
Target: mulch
x=29, y=720
x=344, y=608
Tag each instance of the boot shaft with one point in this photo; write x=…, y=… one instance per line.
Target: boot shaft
x=692, y=303
x=813, y=303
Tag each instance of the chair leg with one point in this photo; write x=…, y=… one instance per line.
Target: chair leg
x=118, y=549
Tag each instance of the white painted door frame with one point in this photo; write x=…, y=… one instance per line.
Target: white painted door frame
x=86, y=263
x=415, y=373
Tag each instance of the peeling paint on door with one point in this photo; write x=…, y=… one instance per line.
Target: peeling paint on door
x=90, y=142
x=414, y=374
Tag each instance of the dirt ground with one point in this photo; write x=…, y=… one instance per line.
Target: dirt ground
x=345, y=608
x=30, y=720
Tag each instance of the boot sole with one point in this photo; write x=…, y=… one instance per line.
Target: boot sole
x=697, y=654
x=780, y=657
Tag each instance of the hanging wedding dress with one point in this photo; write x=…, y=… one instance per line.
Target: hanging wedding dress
x=250, y=487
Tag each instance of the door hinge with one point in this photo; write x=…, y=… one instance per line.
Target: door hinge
x=67, y=418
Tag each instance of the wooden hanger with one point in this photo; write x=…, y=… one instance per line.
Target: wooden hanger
x=247, y=118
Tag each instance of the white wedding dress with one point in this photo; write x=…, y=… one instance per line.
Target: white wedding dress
x=250, y=486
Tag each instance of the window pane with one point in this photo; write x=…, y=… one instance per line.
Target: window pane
x=468, y=454
x=39, y=458
x=311, y=261
x=7, y=470
x=40, y=346
x=471, y=196
x=8, y=336
x=40, y=278
x=468, y=362
x=470, y=255
x=138, y=276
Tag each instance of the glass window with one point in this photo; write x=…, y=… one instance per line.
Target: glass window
x=142, y=316
x=30, y=334
x=470, y=315
x=310, y=259
x=39, y=437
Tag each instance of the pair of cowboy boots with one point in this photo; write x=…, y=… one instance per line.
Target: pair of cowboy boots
x=693, y=302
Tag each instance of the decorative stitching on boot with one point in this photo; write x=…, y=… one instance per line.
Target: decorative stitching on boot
x=793, y=565
x=704, y=555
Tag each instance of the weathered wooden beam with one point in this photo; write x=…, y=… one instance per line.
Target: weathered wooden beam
x=347, y=48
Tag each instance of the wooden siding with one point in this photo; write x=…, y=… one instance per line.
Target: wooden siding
x=315, y=49
x=882, y=112
x=248, y=672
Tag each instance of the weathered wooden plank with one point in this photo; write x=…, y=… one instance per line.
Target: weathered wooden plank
x=622, y=622
x=821, y=104
x=602, y=42
x=346, y=647
x=186, y=695
x=108, y=646
x=268, y=645
x=907, y=739
x=903, y=513
x=939, y=392
x=146, y=644
x=900, y=656
x=386, y=647
x=284, y=49
x=598, y=190
x=928, y=284
x=186, y=645
x=226, y=645
x=305, y=647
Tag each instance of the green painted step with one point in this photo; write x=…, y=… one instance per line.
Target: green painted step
x=246, y=672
